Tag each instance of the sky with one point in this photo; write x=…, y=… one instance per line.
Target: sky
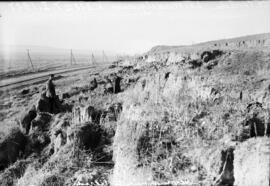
x=128, y=27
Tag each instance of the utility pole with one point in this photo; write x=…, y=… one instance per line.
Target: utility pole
x=72, y=58
x=104, y=57
x=93, y=60
x=29, y=58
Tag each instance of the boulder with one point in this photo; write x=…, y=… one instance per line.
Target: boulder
x=12, y=147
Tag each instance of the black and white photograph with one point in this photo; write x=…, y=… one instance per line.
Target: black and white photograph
x=139, y=93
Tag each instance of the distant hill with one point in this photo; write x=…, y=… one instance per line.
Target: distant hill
x=244, y=41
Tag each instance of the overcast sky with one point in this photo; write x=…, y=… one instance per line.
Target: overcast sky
x=128, y=27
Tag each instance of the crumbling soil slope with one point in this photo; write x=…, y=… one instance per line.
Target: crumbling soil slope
x=197, y=117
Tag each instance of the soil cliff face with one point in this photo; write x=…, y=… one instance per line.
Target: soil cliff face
x=188, y=121
x=251, y=162
x=195, y=115
x=174, y=54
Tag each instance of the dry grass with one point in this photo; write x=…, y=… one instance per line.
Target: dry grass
x=164, y=122
x=171, y=130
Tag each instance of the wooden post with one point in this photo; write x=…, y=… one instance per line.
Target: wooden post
x=104, y=57
x=74, y=59
x=70, y=56
x=93, y=60
x=29, y=58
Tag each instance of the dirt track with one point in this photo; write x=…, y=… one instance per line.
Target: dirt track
x=21, y=81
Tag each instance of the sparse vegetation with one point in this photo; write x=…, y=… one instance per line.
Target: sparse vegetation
x=175, y=118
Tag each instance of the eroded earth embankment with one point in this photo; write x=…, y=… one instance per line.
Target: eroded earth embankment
x=199, y=117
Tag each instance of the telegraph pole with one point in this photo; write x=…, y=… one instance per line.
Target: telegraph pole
x=93, y=60
x=72, y=58
x=29, y=58
x=104, y=57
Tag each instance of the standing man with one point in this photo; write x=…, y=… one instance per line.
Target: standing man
x=117, y=86
x=50, y=92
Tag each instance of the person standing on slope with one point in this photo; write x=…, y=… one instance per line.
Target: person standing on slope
x=50, y=92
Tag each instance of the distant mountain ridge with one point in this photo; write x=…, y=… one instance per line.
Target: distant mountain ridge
x=243, y=41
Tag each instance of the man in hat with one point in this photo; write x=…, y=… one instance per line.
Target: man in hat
x=50, y=92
